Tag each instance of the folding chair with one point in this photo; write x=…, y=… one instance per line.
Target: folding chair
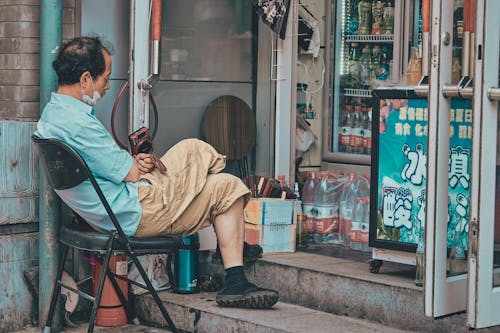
x=65, y=169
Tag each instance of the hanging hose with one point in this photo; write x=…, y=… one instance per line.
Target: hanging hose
x=115, y=110
x=148, y=83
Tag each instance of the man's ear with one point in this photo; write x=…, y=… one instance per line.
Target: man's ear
x=85, y=79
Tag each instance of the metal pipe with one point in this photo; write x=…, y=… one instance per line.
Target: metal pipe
x=426, y=28
x=154, y=77
x=49, y=211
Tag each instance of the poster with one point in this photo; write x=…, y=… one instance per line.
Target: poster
x=402, y=160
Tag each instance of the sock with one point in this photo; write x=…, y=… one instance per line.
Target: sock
x=235, y=276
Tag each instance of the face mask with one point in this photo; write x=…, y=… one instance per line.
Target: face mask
x=95, y=99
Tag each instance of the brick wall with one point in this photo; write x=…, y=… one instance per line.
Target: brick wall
x=20, y=56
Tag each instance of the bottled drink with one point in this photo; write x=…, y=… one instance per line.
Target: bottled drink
x=456, y=66
x=375, y=63
x=345, y=129
x=414, y=72
x=388, y=19
x=364, y=186
x=358, y=215
x=384, y=69
x=326, y=201
x=458, y=23
x=377, y=17
x=347, y=202
x=308, y=204
x=367, y=131
x=353, y=23
x=356, y=138
x=353, y=64
x=365, y=66
x=364, y=230
x=297, y=197
x=365, y=17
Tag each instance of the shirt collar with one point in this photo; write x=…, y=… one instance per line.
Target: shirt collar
x=72, y=102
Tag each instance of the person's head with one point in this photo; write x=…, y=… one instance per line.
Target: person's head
x=83, y=64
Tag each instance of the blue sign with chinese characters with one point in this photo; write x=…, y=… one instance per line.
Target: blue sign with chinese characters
x=402, y=171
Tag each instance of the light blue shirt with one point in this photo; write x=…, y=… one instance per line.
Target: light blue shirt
x=74, y=122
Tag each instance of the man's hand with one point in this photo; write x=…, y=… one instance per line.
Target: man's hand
x=145, y=163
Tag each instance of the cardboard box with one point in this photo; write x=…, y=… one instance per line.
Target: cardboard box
x=271, y=223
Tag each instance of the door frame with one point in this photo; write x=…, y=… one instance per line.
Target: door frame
x=484, y=298
x=443, y=295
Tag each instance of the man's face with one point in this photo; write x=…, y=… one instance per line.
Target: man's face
x=101, y=83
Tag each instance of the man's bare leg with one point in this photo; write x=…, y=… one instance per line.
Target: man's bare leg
x=230, y=228
x=237, y=291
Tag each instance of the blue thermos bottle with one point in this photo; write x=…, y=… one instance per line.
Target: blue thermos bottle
x=186, y=266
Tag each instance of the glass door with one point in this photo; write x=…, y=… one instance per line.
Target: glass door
x=484, y=259
x=450, y=92
x=364, y=52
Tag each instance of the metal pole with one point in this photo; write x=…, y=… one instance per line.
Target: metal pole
x=50, y=39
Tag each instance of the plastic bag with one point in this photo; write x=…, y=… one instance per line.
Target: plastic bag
x=155, y=266
x=304, y=137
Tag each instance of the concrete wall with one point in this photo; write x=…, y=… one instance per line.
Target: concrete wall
x=19, y=111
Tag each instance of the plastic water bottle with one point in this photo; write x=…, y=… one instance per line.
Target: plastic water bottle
x=308, y=207
x=347, y=202
x=345, y=130
x=358, y=216
x=297, y=197
x=325, y=203
x=356, y=138
x=364, y=233
x=364, y=186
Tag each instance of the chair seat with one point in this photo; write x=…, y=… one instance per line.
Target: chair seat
x=97, y=241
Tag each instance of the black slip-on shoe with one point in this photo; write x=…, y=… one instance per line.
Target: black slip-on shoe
x=252, y=297
x=251, y=252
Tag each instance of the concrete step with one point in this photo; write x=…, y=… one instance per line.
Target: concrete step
x=345, y=287
x=199, y=313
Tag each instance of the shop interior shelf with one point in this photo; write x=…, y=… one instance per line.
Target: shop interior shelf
x=357, y=92
x=369, y=38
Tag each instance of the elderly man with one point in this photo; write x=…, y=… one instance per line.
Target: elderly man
x=190, y=195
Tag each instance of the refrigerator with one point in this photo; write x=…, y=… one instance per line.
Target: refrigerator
x=376, y=62
x=366, y=51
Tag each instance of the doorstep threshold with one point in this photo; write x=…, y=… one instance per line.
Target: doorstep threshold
x=391, y=274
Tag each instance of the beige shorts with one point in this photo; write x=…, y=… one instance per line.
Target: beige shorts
x=191, y=194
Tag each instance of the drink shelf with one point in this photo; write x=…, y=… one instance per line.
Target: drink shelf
x=357, y=92
x=369, y=38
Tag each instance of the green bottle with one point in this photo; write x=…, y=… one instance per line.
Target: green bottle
x=365, y=17
x=388, y=19
x=186, y=266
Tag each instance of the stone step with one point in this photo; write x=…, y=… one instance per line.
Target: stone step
x=346, y=287
x=199, y=313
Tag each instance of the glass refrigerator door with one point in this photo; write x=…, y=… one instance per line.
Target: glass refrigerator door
x=365, y=51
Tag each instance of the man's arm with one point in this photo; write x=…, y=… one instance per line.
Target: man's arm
x=141, y=164
x=133, y=174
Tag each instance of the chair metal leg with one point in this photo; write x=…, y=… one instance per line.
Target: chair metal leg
x=153, y=293
x=97, y=300
x=57, y=288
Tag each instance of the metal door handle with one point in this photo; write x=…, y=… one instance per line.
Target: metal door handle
x=466, y=91
x=463, y=89
x=422, y=88
x=473, y=236
x=494, y=94
x=451, y=90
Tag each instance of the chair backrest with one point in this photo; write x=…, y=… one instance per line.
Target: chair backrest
x=62, y=165
x=65, y=168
